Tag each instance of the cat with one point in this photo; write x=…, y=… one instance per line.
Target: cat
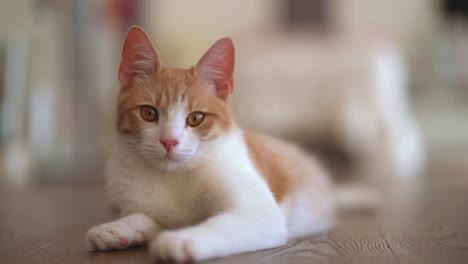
x=189, y=182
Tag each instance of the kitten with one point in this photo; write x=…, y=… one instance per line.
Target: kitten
x=188, y=180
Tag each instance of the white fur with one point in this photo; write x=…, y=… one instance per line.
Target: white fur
x=221, y=206
x=204, y=199
x=133, y=229
x=308, y=211
x=171, y=125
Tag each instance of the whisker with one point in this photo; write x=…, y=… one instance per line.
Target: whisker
x=135, y=157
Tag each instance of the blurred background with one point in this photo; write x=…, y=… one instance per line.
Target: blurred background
x=379, y=88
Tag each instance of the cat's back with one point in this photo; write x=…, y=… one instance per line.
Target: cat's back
x=283, y=165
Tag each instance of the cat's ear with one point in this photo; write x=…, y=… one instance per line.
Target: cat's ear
x=138, y=57
x=217, y=67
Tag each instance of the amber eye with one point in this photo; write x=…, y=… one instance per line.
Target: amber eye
x=149, y=113
x=195, y=119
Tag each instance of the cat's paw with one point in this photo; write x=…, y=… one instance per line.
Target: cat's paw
x=178, y=246
x=112, y=236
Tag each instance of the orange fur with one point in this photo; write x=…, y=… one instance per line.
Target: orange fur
x=164, y=88
x=216, y=191
x=284, y=166
x=145, y=81
x=268, y=154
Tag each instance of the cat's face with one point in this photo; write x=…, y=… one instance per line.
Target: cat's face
x=168, y=116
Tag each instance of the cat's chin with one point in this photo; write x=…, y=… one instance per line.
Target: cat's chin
x=170, y=164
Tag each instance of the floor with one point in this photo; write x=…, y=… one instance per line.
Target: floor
x=425, y=221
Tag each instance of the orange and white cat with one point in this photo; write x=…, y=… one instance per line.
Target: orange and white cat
x=189, y=182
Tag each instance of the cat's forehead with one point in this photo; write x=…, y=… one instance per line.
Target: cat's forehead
x=176, y=78
x=173, y=86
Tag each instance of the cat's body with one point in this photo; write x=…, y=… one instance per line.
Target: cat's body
x=195, y=189
x=189, y=197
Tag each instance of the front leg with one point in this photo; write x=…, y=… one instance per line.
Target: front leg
x=131, y=230
x=231, y=232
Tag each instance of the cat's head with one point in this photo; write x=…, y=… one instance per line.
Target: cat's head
x=167, y=116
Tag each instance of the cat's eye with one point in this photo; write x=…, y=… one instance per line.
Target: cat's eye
x=195, y=119
x=149, y=113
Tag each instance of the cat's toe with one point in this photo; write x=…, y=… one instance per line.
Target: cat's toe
x=99, y=239
x=173, y=246
x=109, y=237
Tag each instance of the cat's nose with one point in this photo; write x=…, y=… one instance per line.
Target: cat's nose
x=168, y=143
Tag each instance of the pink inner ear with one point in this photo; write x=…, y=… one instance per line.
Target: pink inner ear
x=217, y=67
x=138, y=57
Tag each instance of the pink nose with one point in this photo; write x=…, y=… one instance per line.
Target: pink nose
x=168, y=143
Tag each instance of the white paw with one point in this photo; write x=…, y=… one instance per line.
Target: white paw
x=112, y=236
x=178, y=246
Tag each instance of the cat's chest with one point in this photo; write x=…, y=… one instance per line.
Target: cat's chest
x=173, y=200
